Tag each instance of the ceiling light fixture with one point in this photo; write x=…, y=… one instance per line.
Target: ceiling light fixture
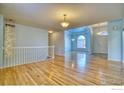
x=50, y=31
x=65, y=23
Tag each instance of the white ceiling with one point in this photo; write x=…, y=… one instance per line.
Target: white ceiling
x=50, y=15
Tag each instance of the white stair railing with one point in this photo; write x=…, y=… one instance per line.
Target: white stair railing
x=25, y=55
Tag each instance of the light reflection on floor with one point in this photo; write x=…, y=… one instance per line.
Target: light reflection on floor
x=95, y=64
x=76, y=60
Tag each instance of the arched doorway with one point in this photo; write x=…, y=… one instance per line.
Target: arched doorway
x=78, y=39
x=81, y=41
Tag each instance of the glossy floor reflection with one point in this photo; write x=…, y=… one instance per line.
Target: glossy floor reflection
x=75, y=68
x=76, y=60
x=97, y=64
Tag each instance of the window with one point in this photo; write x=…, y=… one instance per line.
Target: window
x=81, y=42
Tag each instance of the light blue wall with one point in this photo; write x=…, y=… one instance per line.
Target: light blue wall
x=123, y=45
x=27, y=36
x=67, y=39
x=114, y=39
x=59, y=43
x=1, y=40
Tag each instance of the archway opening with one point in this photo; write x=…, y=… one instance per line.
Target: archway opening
x=81, y=41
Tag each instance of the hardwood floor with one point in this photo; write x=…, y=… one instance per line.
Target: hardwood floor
x=73, y=69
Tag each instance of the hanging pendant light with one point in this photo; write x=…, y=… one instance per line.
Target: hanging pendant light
x=65, y=23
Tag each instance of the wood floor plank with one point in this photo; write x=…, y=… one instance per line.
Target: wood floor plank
x=96, y=70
